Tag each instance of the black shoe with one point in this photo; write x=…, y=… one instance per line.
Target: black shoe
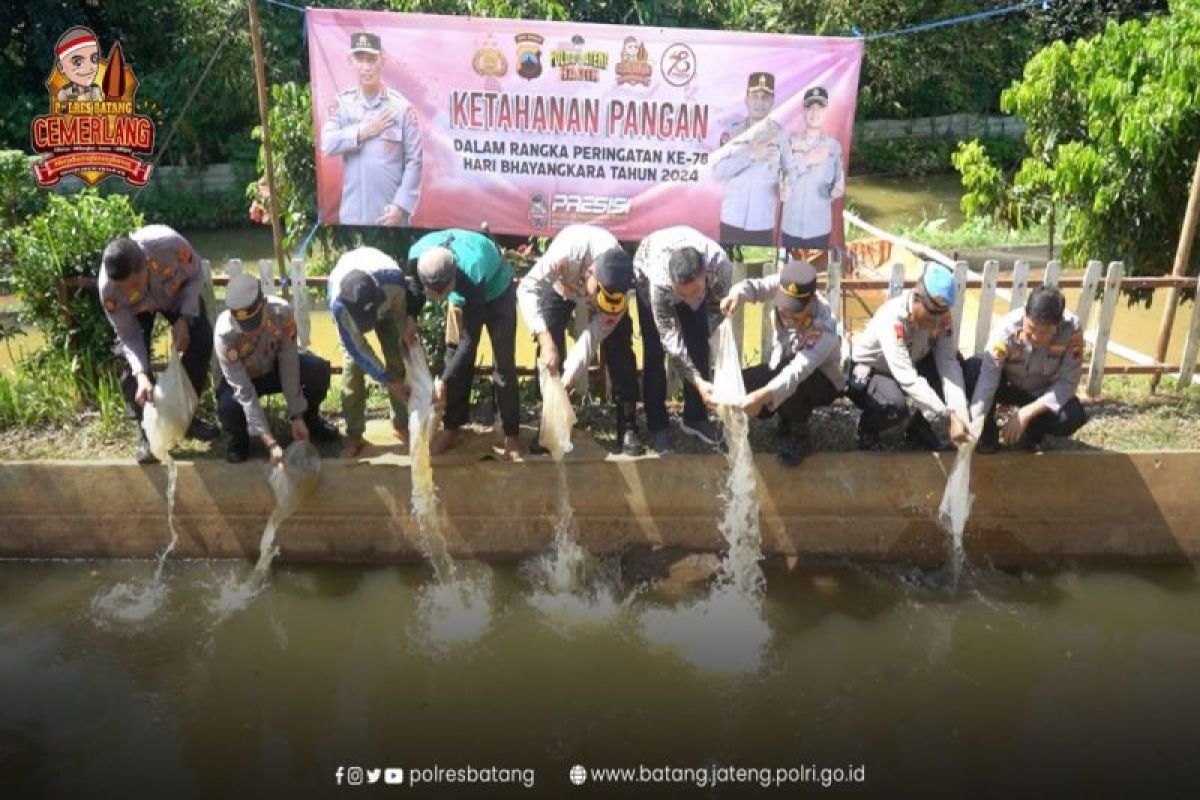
x=144, y=456
x=987, y=447
x=237, y=451
x=792, y=450
x=703, y=429
x=920, y=433
x=660, y=442
x=202, y=431
x=321, y=430
x=631, y=444
x=536, y=448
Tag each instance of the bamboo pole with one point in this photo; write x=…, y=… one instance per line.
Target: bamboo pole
x=260, y=79
x=1183, y=252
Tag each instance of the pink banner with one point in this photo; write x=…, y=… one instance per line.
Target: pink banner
x=435, y=121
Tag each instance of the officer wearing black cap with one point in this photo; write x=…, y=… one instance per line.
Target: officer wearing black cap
x=154, y=271
x=815, y=179
x=751, y=163
x=255, y=338
x=375, y=131
x=368, y=292
x=585, y=264
x=908, y=351
x=803, y=370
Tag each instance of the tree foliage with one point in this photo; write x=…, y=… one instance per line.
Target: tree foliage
x=66, y=241
x=1114, y=134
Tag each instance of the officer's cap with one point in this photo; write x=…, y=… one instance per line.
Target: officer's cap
x=436, y=268
x=797, y=285
x=816, y=94
x=614, y=273
x=242, y=292
x=936, y=289
x=361, y=297
x=365, y=43
x=761, y=82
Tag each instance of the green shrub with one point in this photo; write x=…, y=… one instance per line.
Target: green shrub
x=53, y=387
x=67, y=240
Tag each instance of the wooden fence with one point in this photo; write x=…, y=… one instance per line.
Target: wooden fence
x=1099, y=288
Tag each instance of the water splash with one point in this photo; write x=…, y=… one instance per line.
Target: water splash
x=570, y=586
x=456, y=608
x=136, y=601
x=291, y=482
x=955, y=508
x=725, y=631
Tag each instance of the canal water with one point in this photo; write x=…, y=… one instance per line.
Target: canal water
x=1073, y=684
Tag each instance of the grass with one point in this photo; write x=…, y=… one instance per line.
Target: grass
x=972, y=233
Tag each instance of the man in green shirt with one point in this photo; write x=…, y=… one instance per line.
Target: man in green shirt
x=468, y=270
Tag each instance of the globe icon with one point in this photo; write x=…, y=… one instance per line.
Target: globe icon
x=578, y=775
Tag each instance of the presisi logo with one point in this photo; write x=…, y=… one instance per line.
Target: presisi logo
x=590, y=205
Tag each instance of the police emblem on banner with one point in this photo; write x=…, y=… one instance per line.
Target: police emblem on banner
x=529, y=55
x=91, y=131
x=537, y=215
x=489, y=61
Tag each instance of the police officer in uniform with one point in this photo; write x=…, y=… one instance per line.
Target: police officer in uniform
x=375, y=131
x=256, y=346
x=751, y=162
x=908, y=352
x=804, y=369
x=1033, y=361
x=816, y=177
x=153, y=271
x=468, y=270
x=681, y=277
x=585, y=264
x=368, y=292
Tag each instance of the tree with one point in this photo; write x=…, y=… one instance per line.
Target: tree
x=1113, y=134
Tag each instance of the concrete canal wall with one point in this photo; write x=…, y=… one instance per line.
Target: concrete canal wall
x=1029, y=510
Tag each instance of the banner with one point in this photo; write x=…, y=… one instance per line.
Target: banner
x=435, y=121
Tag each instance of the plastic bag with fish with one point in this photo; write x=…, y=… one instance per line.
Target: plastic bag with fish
x=956, y=500
x=728, y=388
x=295, y=479
x=558, y=416
x=166, y=420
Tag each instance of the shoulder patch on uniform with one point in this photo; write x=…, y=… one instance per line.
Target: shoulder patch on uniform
x=110, y=304
x=231, y=354
x=290, y=328
x=901, y=333
x=1000, y=351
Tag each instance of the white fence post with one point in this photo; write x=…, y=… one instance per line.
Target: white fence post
x=210, y=308
x=987, y=299
x=300, y=302
x=266, y=275
x=767, y=334
x=833, y=287
x=896, y=282
x=233, y=267
x=961, y=270
x=739, y=316
x=1192, y=344
x=1108, y=311
x=1087, y=294
x=1053, y=272
x=1020, y=284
